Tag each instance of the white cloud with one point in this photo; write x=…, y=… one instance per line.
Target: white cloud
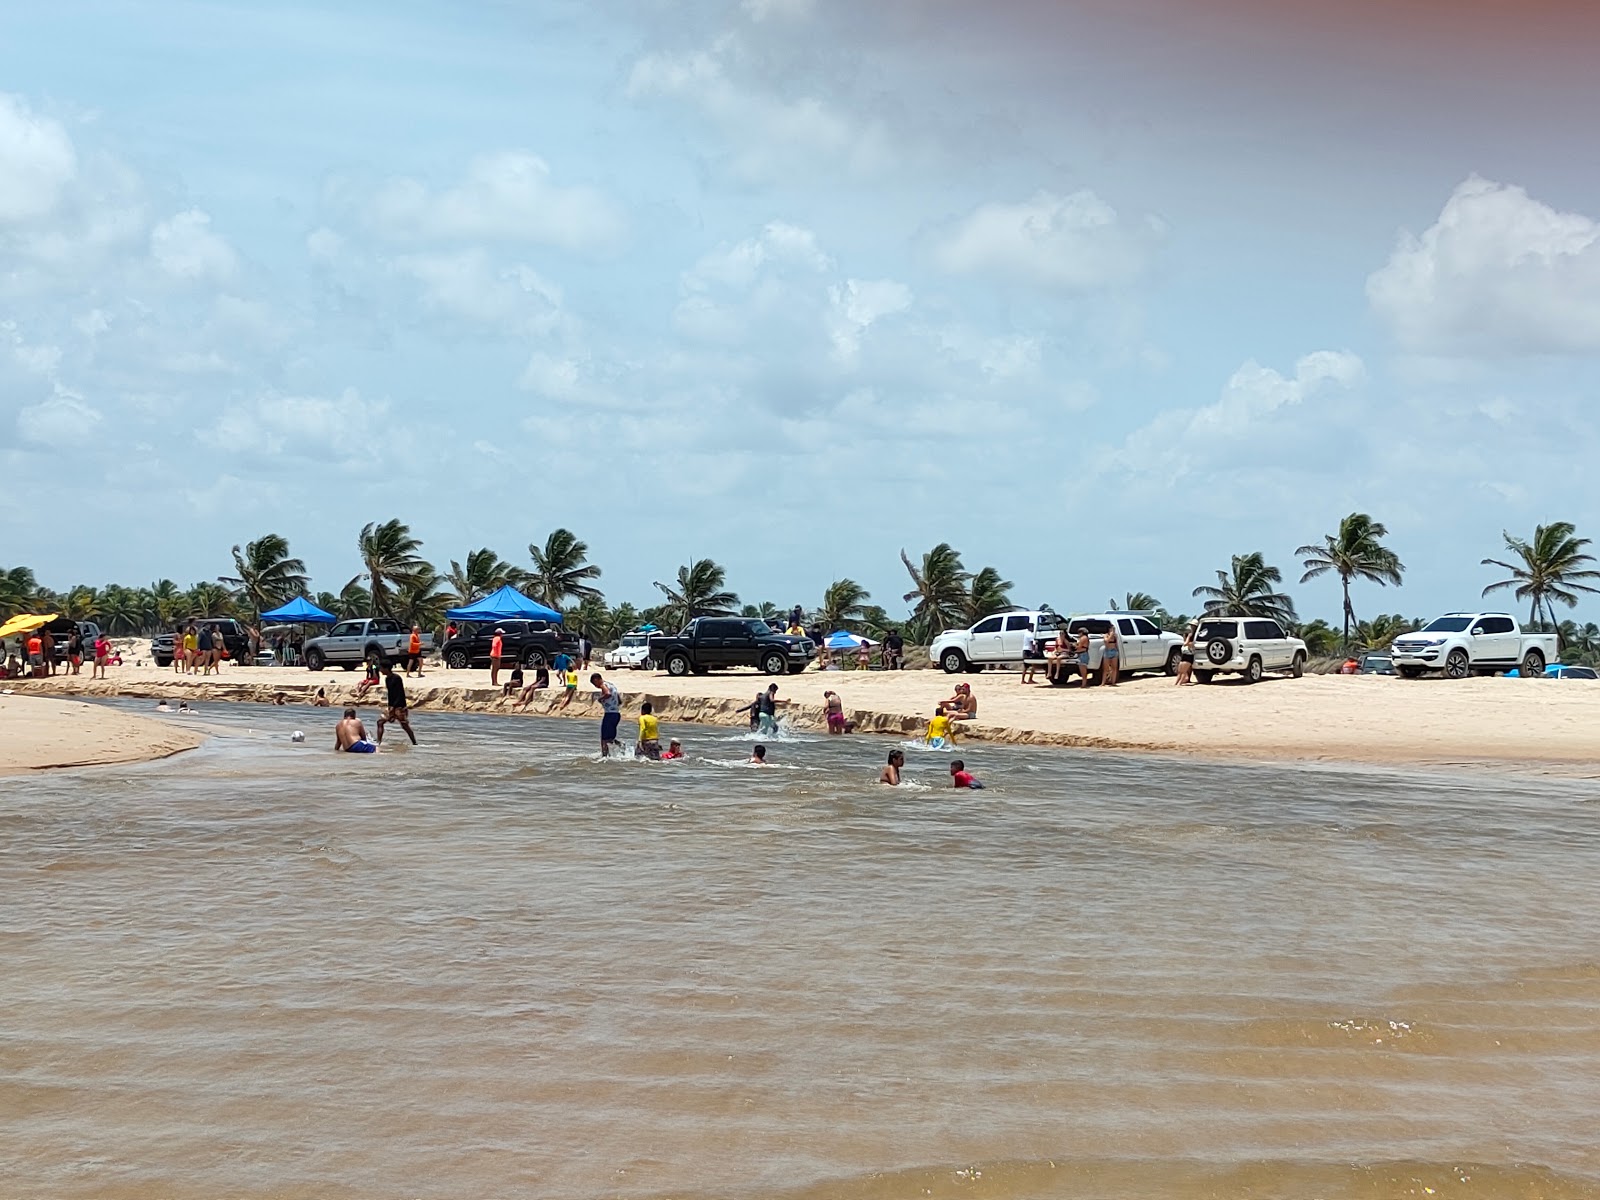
x=776, y=134
x=185, y=248
x=36, y=161
x=1071, y=242
x=552, y=377
x=1499, y=273
x=856, y=304
x=469, y=285
x=778, y=10
x=779, y=244
x=64, y=421
x=341, y=429
x=507, y=196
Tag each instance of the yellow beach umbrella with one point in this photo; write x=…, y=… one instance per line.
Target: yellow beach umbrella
x=25, y=623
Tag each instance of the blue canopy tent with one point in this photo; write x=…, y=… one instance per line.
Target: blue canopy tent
x=506, y=604
x=845, y=640
x=299, y=611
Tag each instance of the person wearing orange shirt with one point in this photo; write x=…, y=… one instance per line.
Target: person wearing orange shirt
x=35, y=654
x=495, y=647
x=414, y=652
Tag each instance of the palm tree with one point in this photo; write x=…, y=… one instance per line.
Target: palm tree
x=1549, y=568
x=1321, y=639
x=485, y=572
x=421, y=599
x=265, y=574
x=390, y=559
x=19, y=591
x=353, y=601
x=163, y=604
x=938, y=594
x=1136, y=602
x=207, y=599
x=1582, y=642
x=1355, y=552
x=765, y=611
x=561, y=570
x=987, y=593
x=700, y=593
x=126, y=610
x=1380, y=632
x=842, y=604
x=1245, y=590
x=83, y=604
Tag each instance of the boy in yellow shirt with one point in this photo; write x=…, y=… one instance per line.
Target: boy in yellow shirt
x=649, y=733
x=570, y=681
x=940, y=732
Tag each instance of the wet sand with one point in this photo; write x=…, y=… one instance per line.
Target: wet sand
x=43, y=732
x=1537, y=725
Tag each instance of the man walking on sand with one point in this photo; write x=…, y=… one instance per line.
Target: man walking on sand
x=414, y=652
x=396, y=695
x=611, y=706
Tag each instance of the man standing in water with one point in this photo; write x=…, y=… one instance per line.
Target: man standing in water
x=396, y=689
x=764, y=712
x=611, y=705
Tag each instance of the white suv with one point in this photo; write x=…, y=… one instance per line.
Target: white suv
x=1245, y=646
x=996, y=639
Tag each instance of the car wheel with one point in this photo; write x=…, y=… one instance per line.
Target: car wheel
x=374, y=657
x=775, y=663
x=1252, y=671
x=1218, y=651
x=1297, y=668
x=649, y=664
x=678, y=664
x=1456, y=665
x=1172, y=662
x=315, y=660
x=953, y=661
x=1410, y=672
x=1533, y=665
x=533, y=659
x=1205, y=676
x=457, y=660
x=796, y=668
x=163, y=662
x=347, y=666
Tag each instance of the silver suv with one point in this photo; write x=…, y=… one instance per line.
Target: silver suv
x=1248, y=646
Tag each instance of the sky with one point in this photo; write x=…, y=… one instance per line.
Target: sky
x=1101, y=293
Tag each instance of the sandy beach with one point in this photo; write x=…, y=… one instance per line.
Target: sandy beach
x=47, y=731
x=1537, y=725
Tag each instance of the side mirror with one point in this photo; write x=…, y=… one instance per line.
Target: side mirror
x=1476, y=630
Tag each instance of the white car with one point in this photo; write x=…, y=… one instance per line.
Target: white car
x=1248, y=646
x=1473, y=643
x=996, y=639
x=633, y=653
x=1142, y=645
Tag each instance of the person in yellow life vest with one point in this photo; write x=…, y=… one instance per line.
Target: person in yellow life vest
x=414, y=652
x=649, y=733
x=940, y=732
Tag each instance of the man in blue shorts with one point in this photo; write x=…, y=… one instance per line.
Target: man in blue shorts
x=611, y=705
x=350, y=735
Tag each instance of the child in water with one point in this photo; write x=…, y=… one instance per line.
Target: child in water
x=674, y=750
x=649, y=733
x=960, y=778
x=758, y=757
x=940, y=732
x=891, y=773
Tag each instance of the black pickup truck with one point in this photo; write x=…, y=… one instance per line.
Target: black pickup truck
x=711, y=643
x=528, y=643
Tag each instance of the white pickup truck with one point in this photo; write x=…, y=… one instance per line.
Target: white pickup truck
x=1473, y=643
x=996, y=639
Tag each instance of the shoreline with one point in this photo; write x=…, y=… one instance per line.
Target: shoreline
x=1539, y=727
x=54, y=733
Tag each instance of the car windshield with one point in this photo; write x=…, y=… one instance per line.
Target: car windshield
x=636, y=639
x=1216, y=629
x=1447, y=625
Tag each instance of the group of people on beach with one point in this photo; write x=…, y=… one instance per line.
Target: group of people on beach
x=196, y=650
x=38, y=654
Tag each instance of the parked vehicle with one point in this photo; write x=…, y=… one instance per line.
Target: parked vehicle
x=1248, y=646
x=61, y=629
x=1566, y=671
x=632, y=653
x=529, y=643
x=234, y=637
x=351, y=643
x=1142, y=645
x=1377, y=664
x=996, y=639
x=1473, y=643
x=716, y=643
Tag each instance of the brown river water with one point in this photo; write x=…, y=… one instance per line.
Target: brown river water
x=494, y=966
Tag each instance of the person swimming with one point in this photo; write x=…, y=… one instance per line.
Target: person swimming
x=758, y=757
x=891, y=773
x=961, y=778
x=350, y=735
x=674, y=750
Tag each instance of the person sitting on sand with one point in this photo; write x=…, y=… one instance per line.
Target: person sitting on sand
x=961, y=778
x=350, y=735
x=891, y=773
x=758, y=757
x=320, y=700
x=963, y=706
x=370, y=682
x=836, y=718
x=649, y=733
x=513, y=682
x=570, y=683
x=940, y=732
x=541, y=681
x=674, y=750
